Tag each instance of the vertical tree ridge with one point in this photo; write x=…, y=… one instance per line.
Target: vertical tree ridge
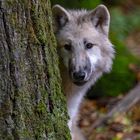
x=32, y=105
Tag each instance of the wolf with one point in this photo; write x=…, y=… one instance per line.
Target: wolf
x=85, y=53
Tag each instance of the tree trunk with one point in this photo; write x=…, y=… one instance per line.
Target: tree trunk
x=32, y=105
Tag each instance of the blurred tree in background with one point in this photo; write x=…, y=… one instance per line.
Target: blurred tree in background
x=125, y=21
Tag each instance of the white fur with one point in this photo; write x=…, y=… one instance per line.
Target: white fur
x=73, y=27
x=94, y=55
x=73, y=106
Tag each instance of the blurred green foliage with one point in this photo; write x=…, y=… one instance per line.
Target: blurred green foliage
x=121, y=79
x=123, y=24
x=88, y=4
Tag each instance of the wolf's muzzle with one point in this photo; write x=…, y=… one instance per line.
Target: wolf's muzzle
x=79, y=76
x=79, y=70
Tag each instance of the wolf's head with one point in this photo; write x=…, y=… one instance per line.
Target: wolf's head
x=83, y=42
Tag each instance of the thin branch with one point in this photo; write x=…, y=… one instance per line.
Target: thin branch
x=123, y=106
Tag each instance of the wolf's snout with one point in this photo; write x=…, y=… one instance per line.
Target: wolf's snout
x=80, y=69
x=79, y=76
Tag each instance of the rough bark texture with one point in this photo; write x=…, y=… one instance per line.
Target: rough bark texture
x=31, y=103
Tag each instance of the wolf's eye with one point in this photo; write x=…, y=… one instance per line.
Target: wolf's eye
x=89, y=45
x=67, y=47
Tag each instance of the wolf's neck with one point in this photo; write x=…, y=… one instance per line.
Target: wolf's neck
x=74, y=94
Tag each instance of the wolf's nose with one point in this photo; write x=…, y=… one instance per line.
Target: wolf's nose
x=79, y=76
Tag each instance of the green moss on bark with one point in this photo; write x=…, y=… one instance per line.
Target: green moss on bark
x=37, y=105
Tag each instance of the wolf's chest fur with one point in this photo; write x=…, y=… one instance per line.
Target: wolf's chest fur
x=85, y=54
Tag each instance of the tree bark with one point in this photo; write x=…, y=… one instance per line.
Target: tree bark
x=32, y=106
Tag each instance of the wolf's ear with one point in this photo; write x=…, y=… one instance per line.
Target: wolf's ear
x=100, y=18
x=61, y=16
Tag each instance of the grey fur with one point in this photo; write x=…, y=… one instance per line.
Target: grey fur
x=72, y=28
